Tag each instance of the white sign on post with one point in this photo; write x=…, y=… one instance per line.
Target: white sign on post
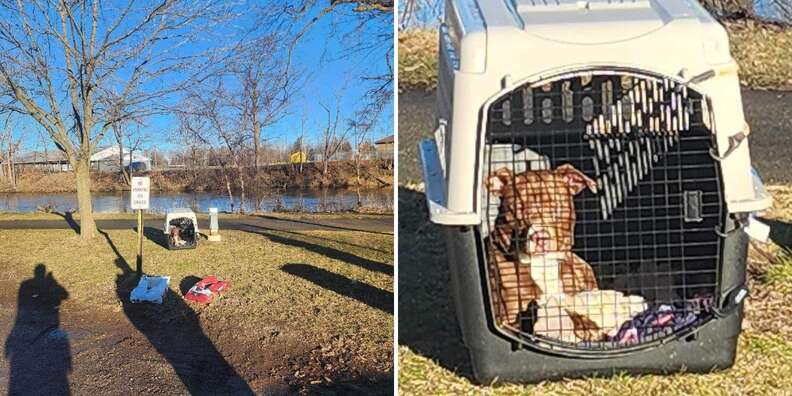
x=140, y=192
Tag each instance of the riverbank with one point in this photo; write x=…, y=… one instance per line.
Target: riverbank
x=340, y=174
x=326, y=200
x=762, y=49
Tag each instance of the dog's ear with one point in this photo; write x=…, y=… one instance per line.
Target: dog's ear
x=575, y=179
x=495, y=181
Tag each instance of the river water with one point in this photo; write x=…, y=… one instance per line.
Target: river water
x=118, y=202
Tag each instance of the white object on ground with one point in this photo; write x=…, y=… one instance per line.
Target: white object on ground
x=214, y=233
x=757, y=230
x=150, y=289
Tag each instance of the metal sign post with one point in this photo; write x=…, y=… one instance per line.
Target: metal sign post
x=140, y=201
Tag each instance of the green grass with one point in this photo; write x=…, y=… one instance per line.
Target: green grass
x=763, y=367
x=779, y=274
x=762, y=50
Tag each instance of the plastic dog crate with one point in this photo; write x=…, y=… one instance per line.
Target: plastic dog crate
x=181, y=229
x=591, y=165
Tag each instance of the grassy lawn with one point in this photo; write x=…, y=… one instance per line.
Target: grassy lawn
x=133, y=216
x=763, y=51
x=307, y=309
x=441, y=365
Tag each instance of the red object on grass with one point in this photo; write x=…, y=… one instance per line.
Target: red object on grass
x=205, y=290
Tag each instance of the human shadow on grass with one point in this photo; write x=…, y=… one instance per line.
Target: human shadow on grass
x=367, y=294
x=427, y=322
x=174, y=330
x=332, y=253
x=37, y=348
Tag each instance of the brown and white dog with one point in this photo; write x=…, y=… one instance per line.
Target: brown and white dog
x=531, y=256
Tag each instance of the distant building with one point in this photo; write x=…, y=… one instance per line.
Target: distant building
x=104, y=159
x=385, y=147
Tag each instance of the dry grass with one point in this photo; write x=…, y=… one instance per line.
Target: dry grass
x=764, y=359
x=9, y=216
x=763, y=368
x=763, y=51
x=265, y=292
x=418, y=60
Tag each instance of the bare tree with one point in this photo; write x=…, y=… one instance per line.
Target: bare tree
x=332, y=137
x=419, y=13
x=209, y=117
x=70, y=65
x=259, y=69
x=369, y=36
x=194, y=156
x=127, y=140
x=299, y=145
x=360, y=130
x=9, y=147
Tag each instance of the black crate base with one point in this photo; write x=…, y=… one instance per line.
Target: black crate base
x=495, y=357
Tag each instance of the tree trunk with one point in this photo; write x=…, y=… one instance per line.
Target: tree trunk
x=256, y=144
x=228, y=187
x=82, y=168
x=256, y=163
x=194, y=167
x=124, y=173
x=357, y=172
x=241, y=192
x=12, y=166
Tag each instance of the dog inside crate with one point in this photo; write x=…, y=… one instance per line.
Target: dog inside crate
x=602, y=208
x=181, y=233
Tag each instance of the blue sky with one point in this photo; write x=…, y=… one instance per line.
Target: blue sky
x=315, y=53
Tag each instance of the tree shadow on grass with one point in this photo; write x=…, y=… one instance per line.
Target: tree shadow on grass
x=322, y=224
x=37, y=348
x=155, y=235
x=253, y=227
x=427, y=322
x=367, y=294
x=335, y=254
x=174, y=330
x=69, y=217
